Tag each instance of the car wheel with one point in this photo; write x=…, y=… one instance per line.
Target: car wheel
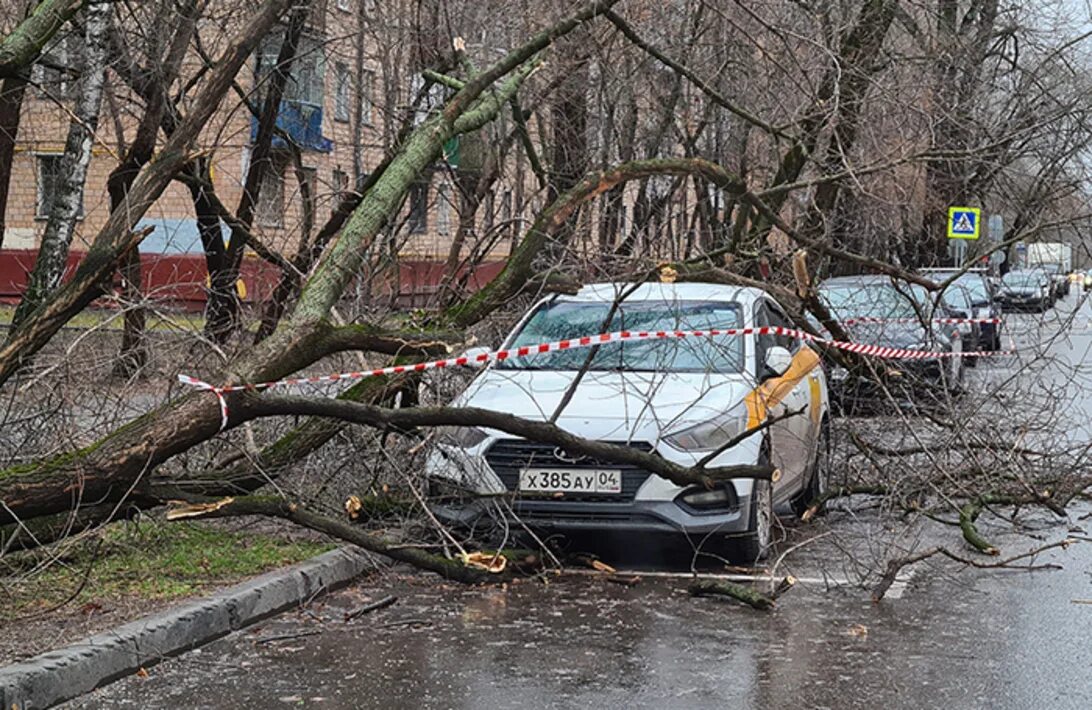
x=819, y=480
x=755, y=543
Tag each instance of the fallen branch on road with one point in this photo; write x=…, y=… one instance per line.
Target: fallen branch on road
x=368, y=608
x=739, y=592
x=817, y=504
x=896, y=565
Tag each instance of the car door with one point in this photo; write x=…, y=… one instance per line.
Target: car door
x=791, y=438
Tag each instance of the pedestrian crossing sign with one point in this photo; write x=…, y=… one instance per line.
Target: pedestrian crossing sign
x=963, y=222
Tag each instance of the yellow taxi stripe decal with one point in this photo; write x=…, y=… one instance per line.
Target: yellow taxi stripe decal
x=816, y=405
x=771, y=392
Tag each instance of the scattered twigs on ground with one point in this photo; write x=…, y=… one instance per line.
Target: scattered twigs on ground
x=896, y=565
x=286, y=637
x=368, y=608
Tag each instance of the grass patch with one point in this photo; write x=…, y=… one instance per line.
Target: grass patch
x=108, y=319
x=145, y=560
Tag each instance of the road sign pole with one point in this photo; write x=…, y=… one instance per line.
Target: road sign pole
x=959, y=252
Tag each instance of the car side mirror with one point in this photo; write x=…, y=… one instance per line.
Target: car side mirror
x=473, y=354
x=777, y=362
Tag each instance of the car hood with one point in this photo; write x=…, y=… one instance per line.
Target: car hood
x=1021, y=289
x=610, y=405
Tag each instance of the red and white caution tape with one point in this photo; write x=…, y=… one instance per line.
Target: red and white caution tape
x=572, y=344
x=943, y=321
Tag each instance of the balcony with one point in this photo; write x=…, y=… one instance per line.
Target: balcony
x=302, y=122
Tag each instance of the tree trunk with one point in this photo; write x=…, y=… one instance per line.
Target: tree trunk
x=222, y=307
x=859, y=49
x=12, y=91
x=133, y=355
x=68, y=202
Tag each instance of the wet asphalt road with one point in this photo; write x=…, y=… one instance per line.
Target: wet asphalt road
x=946, y=637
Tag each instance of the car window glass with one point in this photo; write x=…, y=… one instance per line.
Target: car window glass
x=763, y=342
x=562, y=320
x=868, y=300
x=778, y=317
x=957, y=297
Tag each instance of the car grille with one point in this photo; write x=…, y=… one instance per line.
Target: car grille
x=508, y=456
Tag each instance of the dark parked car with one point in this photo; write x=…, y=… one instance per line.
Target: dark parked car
x=879, y=310
x=1059, y=280
x=1025, y=290
x=984, y=303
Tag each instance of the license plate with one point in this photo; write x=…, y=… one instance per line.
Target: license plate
x=559, y=480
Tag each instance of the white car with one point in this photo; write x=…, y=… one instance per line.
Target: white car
x=681, y=399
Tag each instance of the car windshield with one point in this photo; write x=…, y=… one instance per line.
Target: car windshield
x=980, y=290
x=973, y=281
x=874, y=300
x=1022, y=278
x=1050, y=268
x=562, y=320
x=957, y=297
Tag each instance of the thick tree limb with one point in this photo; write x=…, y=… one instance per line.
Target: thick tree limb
x=249, y=407
x=296, y=513
x=20, y=48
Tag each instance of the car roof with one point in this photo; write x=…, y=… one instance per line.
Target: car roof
x=861, y=280
x=608, y=292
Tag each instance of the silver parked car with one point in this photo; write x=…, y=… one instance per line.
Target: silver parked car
x=681, y=399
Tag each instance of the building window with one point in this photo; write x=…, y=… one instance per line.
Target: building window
x=418, y=208
x=49, y=183
x=443, y=210
x=341, y=92
x=367, y=105
x=305, y=80
x=270, y=207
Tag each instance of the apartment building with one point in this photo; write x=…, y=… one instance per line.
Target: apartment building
x=343, y=100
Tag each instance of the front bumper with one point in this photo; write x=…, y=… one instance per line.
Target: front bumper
x=1015, y=302
x=915, y=375
x=649, y=508
x=652, y=517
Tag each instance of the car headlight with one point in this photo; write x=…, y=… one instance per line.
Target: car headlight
x=719, y=498
x=466, y=437
x=707, y=436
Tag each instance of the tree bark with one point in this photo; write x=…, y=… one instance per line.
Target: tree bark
x=68, y=202
x=222, y=306
x=12, y=90
x=20, y=48
x=133, y=355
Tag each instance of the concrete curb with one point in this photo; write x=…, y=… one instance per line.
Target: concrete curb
x=60, y=675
